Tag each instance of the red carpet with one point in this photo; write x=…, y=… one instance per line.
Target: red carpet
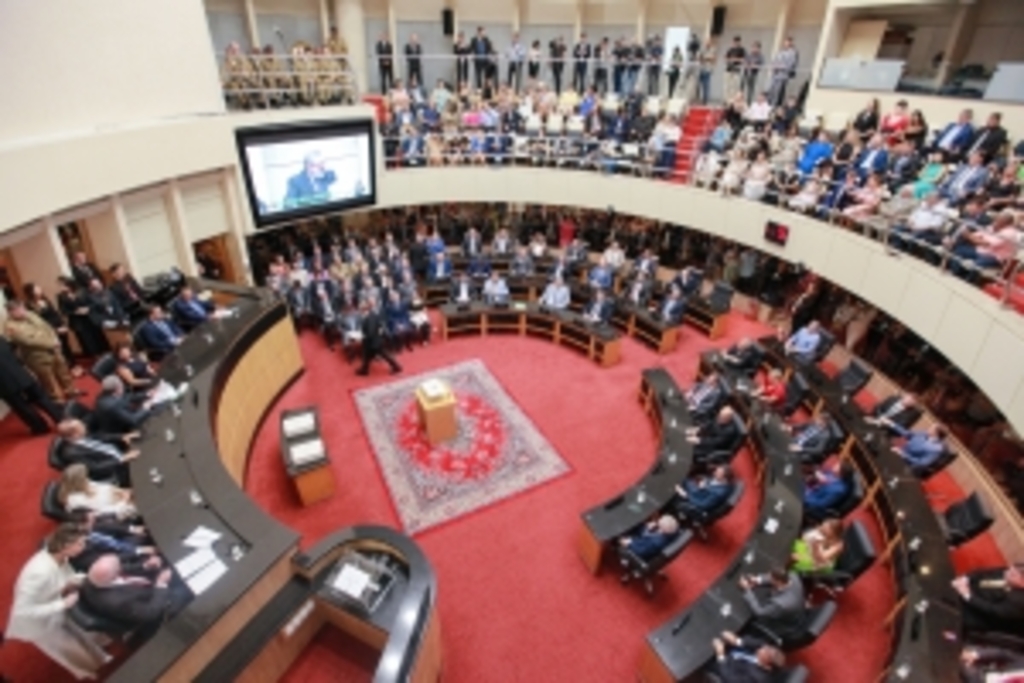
x=516, y=603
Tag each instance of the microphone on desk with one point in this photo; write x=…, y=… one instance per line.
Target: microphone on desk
x=679, y=626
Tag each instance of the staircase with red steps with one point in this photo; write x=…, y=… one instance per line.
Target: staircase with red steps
x=697, y=127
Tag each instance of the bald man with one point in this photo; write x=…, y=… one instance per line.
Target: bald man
x=311, y=185
x=130, y=600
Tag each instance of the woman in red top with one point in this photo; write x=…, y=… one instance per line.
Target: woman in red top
x=894, y=123
x=772, y=390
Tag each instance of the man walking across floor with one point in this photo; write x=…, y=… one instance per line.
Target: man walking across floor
x=374, y=333
x=39, y=346
x=20, y=391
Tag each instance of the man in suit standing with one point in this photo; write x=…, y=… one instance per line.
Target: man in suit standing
x=992, y=600
x=413, y=60
x=106, y=456
x=703, y=496
x=159, y=334
x=481, y=49
x=45, y=590
x=104, y=310
x=374, y=337
x=134, y=601
x=385, y=63
x=776, y=599
x=556, y=55
x=82, y=271
x=190, y=311
x=114, y=412
x=463, y=290
x=326, y=314
x=311, y=185
x=599, y=310
x=20, y=391
x=472, y=244
x=638, y=294
x=556, y=295
x=440, y=268
x=900, y=409
x=581, y=55
x=745, y=660
x=40, y=348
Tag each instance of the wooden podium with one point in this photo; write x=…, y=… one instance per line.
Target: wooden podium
x=436, y=408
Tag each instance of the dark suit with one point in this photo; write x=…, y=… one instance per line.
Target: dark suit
x=374, y=337
x=992, y=608
x=457, y=287
x=713, y=437
x=85, y=273
x=100, y=455
x=825, y=496
x=105, y=309
x=22, y=392
x=988, y=142
x=128, y=293
x=649, y=543
x=903, y=416
x=747, y=360
x=810, y=440
x=780, y=610
x=872, y=161
x=738, y=669
x=115, y=415
x=638, y=293
x=304, y=190
x=385, y=64
x=704, y=398
x=131, y=604
x=671, y=312
x=704, y=497
x=160, y=337
x=190, y=314
x=602, y=311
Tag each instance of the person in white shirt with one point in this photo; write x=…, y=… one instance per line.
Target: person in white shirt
x=759, y=112
x=556, y=295
x=45, y=590
x=516, y=53
x=495, y=289
x=77, y=492
x=925, y=222
x=615, y=256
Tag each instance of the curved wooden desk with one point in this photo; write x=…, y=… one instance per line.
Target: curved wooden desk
x=189, y=475
x=602, y=524
x=678, y=649
x=928, y=609
x=599, y=343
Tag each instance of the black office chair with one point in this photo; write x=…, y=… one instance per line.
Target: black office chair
x=858, y=554
x=720, y=300
x=635, y=567
x=836, y=435
x=104, y=366
x=854, y=377
x=815, y=621
x=53, y=456
x=699, y=521
x=50, y=505
x=797, y=389
x=942, y=462
x=966, y=520
x=725, y=455
x=74, y=410
x=89, y=621
x=844, y=507
x=796, y=674
x=828, y=340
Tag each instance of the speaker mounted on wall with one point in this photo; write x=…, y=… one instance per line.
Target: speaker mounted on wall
x=448, y=21
x=718, y=20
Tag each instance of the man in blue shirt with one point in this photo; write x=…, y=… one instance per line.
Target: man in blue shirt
x=703, y=496
x=922, y=448
x=804, y=343
x=601, y=276
x=830, y=487
x=653, y=538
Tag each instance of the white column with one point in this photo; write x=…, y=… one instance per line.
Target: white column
x=236, y=226
x=397, y=64
x=957, y=43
x=577, y=28
x=517, y=16
x=325, y=22
x=121, y=225
x=641, y=20
x=179, y=229
x=781, y=27
x=349, y=19
x=250, y=24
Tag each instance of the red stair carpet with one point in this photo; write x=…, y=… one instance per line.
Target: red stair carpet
x=516, y=603
x=697, y=125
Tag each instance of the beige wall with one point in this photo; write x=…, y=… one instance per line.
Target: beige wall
x=40, y=258
x=109, y=241
x=71, y=66
x=863, y=38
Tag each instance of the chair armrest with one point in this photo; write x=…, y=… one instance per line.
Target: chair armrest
x=765, y=632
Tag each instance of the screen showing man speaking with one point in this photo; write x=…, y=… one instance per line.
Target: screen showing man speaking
x=306, y=171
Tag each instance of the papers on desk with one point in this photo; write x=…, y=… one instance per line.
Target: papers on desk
x=201, y=537
x=433, y=388
x=771, y=525
x=165, y=393
x=306, y=451
x=296, y=425
x=419, y=318
x=194, y=562
x=219, y=313
x=351, y=581
x=206, y=577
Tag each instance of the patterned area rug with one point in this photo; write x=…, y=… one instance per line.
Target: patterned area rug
x=497, y=453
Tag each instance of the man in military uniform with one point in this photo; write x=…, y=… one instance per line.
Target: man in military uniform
x=40, y=350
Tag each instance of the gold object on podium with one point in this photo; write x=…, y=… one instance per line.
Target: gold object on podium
x=436, y=406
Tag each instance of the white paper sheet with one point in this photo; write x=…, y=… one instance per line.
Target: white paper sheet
x=307, y=451
x=433, y=388
x=302, y=423
x=194, y=562
x=206, y=578
x=771, y=525
x=351, y=581
x=201, y=537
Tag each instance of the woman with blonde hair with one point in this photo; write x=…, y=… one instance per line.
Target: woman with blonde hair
x=76, y=491
x=818, y=548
